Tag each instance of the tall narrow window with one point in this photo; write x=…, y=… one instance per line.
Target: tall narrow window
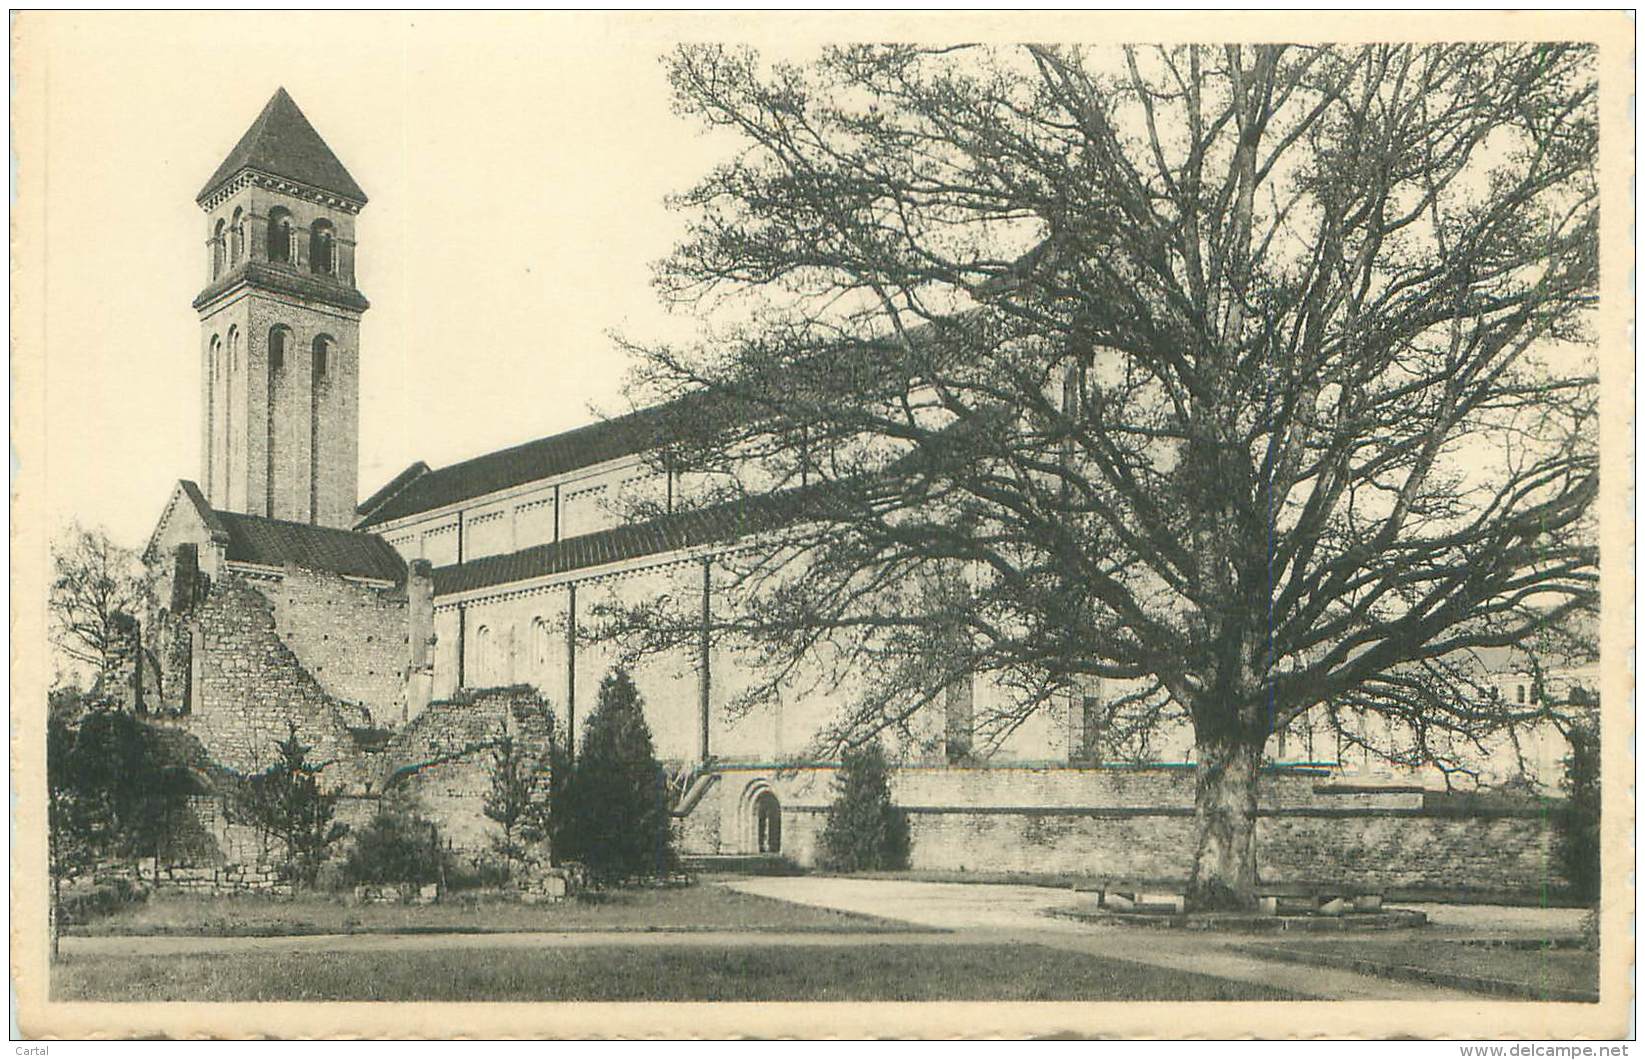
x=279, y=234
x=541, y=644
x=279, y=337
x=230, y=367
x=218, y=235
x=322, y=248
x=237, y=237
x=959, y=722
x=213, y=352
x=483, y=661
x=319, y=387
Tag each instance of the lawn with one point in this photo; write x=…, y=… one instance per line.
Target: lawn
x=687, y=972
x=1533, y=973
x=703, y=907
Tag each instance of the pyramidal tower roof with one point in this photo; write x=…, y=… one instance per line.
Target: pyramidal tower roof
x=282, y=143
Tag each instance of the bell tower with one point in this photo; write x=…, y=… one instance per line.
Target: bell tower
x=280, y=326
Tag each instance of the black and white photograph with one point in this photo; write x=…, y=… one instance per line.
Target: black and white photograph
x=597, y=510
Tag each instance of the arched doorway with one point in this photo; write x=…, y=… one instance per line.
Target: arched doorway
x=768, y=823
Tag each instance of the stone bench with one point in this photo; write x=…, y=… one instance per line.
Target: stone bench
x=1309, y=899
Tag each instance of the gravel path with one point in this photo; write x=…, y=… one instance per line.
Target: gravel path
x=1002, y=912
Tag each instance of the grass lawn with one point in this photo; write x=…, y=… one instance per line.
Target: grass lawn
x=830, y=972
x=706, y=907
x=703, y=907
x=1539, y=971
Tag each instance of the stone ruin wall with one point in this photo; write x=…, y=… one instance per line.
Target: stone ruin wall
x=443, y=758
x=442, y=761
x=352, y=638
x=250, y=686
x=234, y=660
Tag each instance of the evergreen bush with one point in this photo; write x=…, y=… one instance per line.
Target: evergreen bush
x=518, y=802
x=398, y=845
x=612, y=812
x=1579, y=835
x=285, y=801
x=864, y=830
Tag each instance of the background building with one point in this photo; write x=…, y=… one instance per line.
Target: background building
x=401, y=633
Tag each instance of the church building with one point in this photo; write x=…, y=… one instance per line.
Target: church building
x=397, y=632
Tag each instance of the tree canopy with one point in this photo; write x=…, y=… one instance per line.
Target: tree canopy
x=94, y=582
x=1259, y=378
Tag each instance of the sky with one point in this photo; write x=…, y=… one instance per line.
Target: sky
x=517, y=168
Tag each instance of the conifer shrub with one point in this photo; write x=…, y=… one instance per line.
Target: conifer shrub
x=1579, y=834
x=864, y=830
x=287, y=803
x=612, y=812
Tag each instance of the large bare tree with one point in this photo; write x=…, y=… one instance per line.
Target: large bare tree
x=1256, y=379
x=97, y=587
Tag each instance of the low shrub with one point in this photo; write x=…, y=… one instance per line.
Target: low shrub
x=397, y=845
x=476, y=874
x=103, y=898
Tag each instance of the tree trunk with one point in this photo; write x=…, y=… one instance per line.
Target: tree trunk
x=53, y=919
x=1224, y=876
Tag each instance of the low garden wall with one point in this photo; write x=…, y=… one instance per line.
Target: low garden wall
x=1138, y=824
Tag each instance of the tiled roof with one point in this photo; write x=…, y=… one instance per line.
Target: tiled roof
x=391, y=487
x=557, y=454
x=276, y=542
x=668, y=533
x=282, y=143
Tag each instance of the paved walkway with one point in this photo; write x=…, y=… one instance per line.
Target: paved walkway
x=1000, y=912
x=1502, y=919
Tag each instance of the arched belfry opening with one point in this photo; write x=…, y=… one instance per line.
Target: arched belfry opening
x=279, y=235
x=322, y=248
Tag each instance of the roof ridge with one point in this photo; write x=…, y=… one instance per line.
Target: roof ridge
x=297, y=523
x=590, y=443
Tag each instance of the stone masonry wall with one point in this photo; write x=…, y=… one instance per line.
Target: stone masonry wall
x=252, y=685
x=1138, y=825
x=444, y=756
x=353, y=639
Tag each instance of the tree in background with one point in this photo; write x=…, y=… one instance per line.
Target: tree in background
x=1579, y=832
x=94, y=582
x=285, y=801
x=80, y=826
x=613, y=814
x=864, y=829
x=1259, y=379
x=518, y=801
x=129, y=778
